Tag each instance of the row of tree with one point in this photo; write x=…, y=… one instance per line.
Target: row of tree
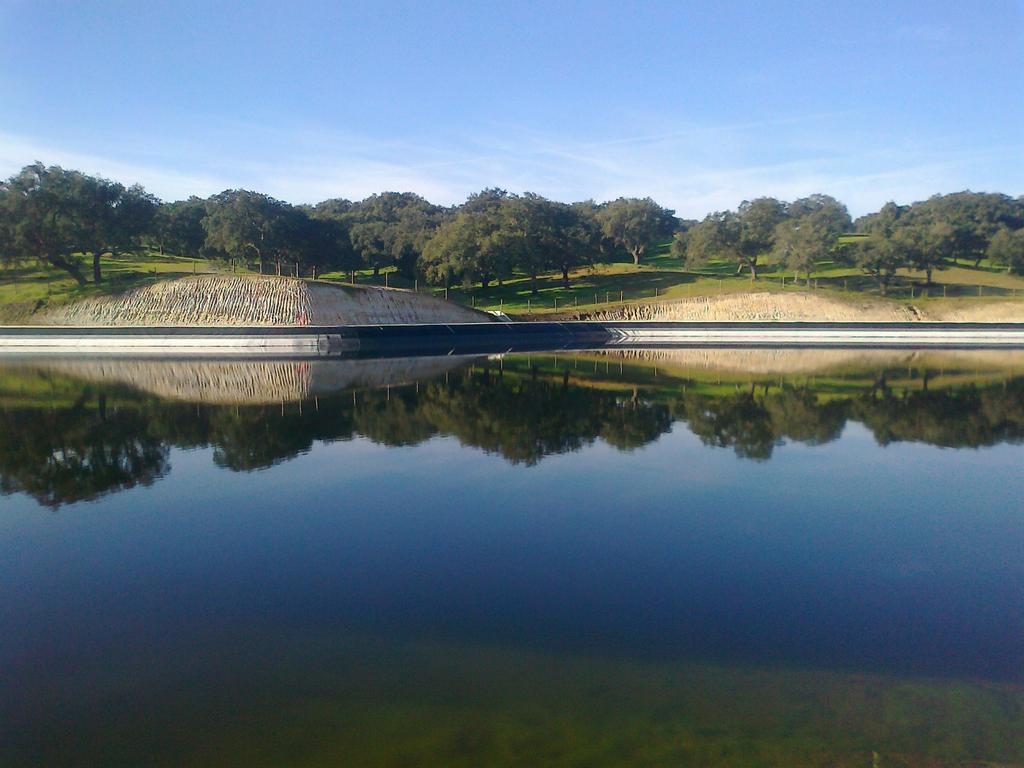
x=925, y=236
x=69, y=220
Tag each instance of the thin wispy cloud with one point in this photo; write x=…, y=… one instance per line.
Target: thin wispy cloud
x=18, y=151
x=693, y=169
x=925, y=33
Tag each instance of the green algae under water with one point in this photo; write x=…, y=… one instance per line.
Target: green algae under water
x=576, y=560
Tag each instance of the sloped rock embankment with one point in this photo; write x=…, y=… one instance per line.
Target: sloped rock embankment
x=215, y=300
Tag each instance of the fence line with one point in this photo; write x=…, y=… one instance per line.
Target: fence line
x=583, y=298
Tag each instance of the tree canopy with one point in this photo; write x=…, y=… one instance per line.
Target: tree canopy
x=632, y=223
x=744, y=236
x=68, y=220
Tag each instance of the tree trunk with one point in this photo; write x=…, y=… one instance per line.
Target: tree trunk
x=565, y=276
x=68, y=266
x=533, y=284
x=977, y=261
x=376, y=270
x=928, y=276
x=753, y=271
x=636, y=257
x=883, y=286
x=97, y=274
x=484, y=282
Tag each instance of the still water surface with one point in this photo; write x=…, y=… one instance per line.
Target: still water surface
x=707, y=557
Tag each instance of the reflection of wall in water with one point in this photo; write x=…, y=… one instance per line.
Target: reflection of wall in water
x=251, y=382
x=819, y=361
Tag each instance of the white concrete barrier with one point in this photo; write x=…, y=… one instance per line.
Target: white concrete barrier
x=207, y=344
x=818, y=336
x=494, y=336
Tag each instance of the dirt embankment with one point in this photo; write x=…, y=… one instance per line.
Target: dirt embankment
x=215, y=300
x=800, y=307
x=762, y=307
x=980, y=312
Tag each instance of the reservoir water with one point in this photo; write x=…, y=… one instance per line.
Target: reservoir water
x=661, y=557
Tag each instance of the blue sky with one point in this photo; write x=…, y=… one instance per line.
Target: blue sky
x=699, y=105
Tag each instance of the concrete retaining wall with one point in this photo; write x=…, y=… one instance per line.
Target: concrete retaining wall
x=499, y=337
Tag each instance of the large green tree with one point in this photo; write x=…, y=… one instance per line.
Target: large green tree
x=178, y=227
x=877, y=256
x=469, y=247
x=242, y=224
x=810, y=233
x=63, y=218
x=370, y=241
x=634, y=223
x=495, y=232
x=391, y=229
x=1006, y=248
x=744, y=236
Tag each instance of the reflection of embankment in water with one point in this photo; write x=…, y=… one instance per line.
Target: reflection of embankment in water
x=250, y=382
x=817, y=361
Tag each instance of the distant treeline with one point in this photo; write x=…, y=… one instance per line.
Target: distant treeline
x=68, y=220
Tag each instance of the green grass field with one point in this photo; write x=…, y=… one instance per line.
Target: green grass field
x=662, y=277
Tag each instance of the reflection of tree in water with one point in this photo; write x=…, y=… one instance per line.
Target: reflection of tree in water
x=522, y=418
x=251, y=437
x=78, y=452
x=797, y=415
x=635, y=423
x=395, y=419
x=964, y=418
x=754, y=425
